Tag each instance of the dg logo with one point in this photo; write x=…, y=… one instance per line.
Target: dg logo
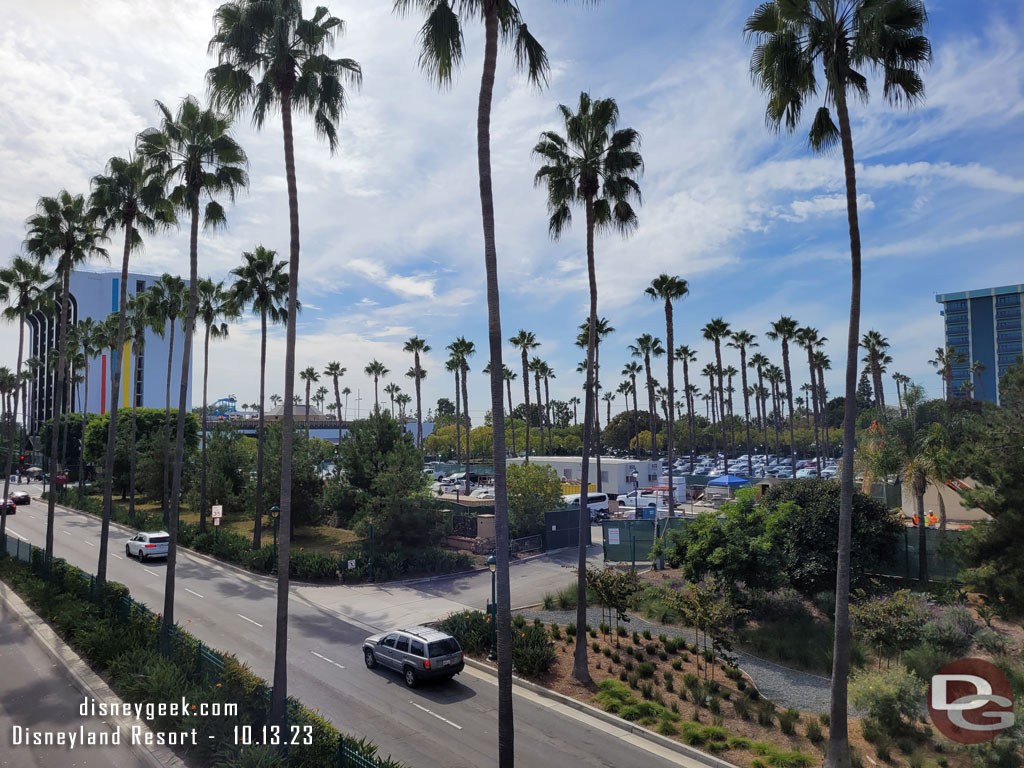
x=971, y=701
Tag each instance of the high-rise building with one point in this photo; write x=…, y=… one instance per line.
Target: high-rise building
x=143, y=372
x=983, y=326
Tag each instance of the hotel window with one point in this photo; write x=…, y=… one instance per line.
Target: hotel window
x=1008, y=300
x=1006, y=348
x=140, y=286
x=1012, y=312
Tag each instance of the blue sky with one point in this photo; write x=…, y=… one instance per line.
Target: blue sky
x=391, y=234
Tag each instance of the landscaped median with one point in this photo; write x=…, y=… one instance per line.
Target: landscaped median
x=121, y=640
x=305, y=565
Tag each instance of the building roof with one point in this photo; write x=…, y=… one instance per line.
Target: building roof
x=942, y=298
x=298, y=410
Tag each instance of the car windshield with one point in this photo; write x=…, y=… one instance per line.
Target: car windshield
x=160, y=539
x=443, y=647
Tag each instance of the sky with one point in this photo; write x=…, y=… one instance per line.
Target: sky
x=392, y=243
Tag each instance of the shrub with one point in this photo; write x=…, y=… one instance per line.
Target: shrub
x=646, y=669
x=636, y=639
x=621, y=631
x=814, y=734
x=766, y=713
x=628, y=665
x=951, y=631
x=669, y=682
x=615, y=656
x=925, y=660
x=604, y=628
x=607, y=652
x=533, y=653
x=669, y=645
x=662, y=638
x=891, y=696
x=519, y=621
x=663, y=655
x=634, y=680
x=733, y=673
x=714, y=706
x=570, y=629
x=595, y=647
x=652, y=648
x=471, y=628
x=992, y=642
x=826, y=719
x=677, y=664
x=666, y=727
x=556, y=634
x=622, y=675
x=647, y=634
x=593, y=632
x=612, y=696
x=646, y=689
x=788, y=721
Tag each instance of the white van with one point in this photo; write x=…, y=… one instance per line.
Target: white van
x=597, y=502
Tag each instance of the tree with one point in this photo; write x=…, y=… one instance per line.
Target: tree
x=875, y=345
x=215, y=306
x=86, y=336
x=525, y=341
x=462, y=349
x=334, y=371
x=977, y=367
x=376, y=369
x=270, y=56
x=595, y=163
x=792, y=38
x=784, y=330
x=417, y=347
x=944, y=360
x=309, y=375
x=63, y=228
x=197, y=155
x=532, y=490
x=22, y=286
x=454, y=365
x=140, y=319
x=715, y=331
x=668, y=289
x=648, y=346
x=742, y=340
x=391, y=389
x=809, y=339
x=261, y=283
x=604, y=329
x=508, y=376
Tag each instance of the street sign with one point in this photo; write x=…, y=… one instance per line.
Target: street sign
x=216, y=521
x=216, y=511
x=351, y=565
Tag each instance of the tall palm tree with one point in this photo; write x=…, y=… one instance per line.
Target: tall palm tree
x=843, y=36
x=86, y=337
x=335, y=372
x=129, y=196
x=776, y=377
x=216, y=305
x=669, y=288
x=784, y=330
x=376, y=370
x=403, y=400
x=823, y=363
x=417, y=347
x=743, y=340
x=310, y=375
x=346, y=392
x=391, y=390
x=536, y=365
x=22, y=286
x=729, y=373
x=270, y=56
x=261, y=283
x=809, y=339
x=716, y=331
x=574, y=401
x=944, y=360
x=63, y=228
x=604, y=329
x=646, y=347
x=275, y=400
x=548, y=373
x=525, y=341
x=685, y=355
x=631, y=369
x=141, y=317
x=977, y=367
x=711, y=372
x=168, y=299
x=464, y=349
x=609, y=399
x=597, y=164
x=454, y=365
x=508, y=376
x=200, y=159
x=875, y=345
x=760, y=363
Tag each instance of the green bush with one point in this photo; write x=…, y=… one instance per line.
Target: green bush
x=766, y=713
x=892, y=696
x=533, y=653
x=788, y=721
x=814, y=734
x=570, y=629
x=471, y=628
x=677, y=664
x=951, y=631
x=992, y=642
x=646, y=669
x=925, y=660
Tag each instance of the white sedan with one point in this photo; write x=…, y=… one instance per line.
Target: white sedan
x=147, y=545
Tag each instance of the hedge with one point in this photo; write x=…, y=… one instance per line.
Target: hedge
x=533, y=653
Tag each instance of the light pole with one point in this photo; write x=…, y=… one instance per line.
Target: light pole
x=275, y=514
x=636, y=494
x=492, y=566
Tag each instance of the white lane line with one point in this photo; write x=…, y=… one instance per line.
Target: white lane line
x=15, y=535
x=117, y=556
x=194, y=593
x=442, y=719
x=66, y=533
x=250, y=620
x=151, y=573
x=33, y=517
x=90, y=543
x=327, y=660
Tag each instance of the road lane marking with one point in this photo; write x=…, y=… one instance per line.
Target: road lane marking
x=89, y=543
x=16, y=535
x=151, y=573
x=327, y=660
x=250, y=620
x=65, y=533
x=442, y=719
x=33, y=517
x=117, y=556
x=194, y=593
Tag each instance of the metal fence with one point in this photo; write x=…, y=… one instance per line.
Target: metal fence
x=631, y=540
x=526, y=544
x=941, y=564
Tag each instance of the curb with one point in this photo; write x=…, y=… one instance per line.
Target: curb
x=86, y=680
x=607, y=717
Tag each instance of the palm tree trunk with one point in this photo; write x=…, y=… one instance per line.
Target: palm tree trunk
x=309, y=383
x=419, y=411
x=776, y=408
x=547, y=411
x=506, y=725
x=337, y=411
x=179, y=438
x=689, y=409
x=652, y=422
x=280, y=690
x=580, y=667
x=511, y=418
x=721, y=404
x=526, y=399
x=202, y=432
x=257, y=526
x=838, y=736
x=814, y=405
x=12, y=434
x=597, y=413
x=469, y=424
x=746, y=408
x=636, y=419
x=132, y=465
x=458, y=421
x=922, y=534
x=58, y=404
x=540, y=408
x=876, y=374
x=789, y=398
x=671, y=407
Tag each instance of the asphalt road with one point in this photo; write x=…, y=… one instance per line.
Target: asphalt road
x=438, y=726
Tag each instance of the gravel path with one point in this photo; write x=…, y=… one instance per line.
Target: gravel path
x=786, y=687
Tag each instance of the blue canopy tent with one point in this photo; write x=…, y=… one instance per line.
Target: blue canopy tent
x=729, y=483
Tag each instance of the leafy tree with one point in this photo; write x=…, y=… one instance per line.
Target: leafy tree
x=532, y=490
x=890, y=623
x=374, y=445
x=306, y=484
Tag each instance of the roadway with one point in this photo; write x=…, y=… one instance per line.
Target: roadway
x=435, y=726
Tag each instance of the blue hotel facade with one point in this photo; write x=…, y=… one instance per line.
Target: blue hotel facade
x=985, y=326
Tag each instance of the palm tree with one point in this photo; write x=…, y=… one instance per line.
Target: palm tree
x=508, y=376
x=129, y=196
x=196, y=154
x=944, y=360
x=686, y=356
x=140, y=319
x=403, y=400
x=668, y=289
x=391, y=390
x=525, y=341
x=597, y=164
x=275, y=399
x=167, y=299
x=729, y=373
x=760, y=363
x=85, y=335
x=711, y=371
x=548, y=373
x=809, y=339
x=454, y=365
x=536, y=365
x=715, y=331
x=604, y=329
x=823, y=363
x=310, y=375
x=574, y=401
x=463, y=348
x=784, y=329
x=261, y=283
x=215, y=306
x=417, y=347
x=792, y=38
x=648, y=346
x=335, y=372
x=609, y=398
x=976, y=370
x=346, y=392
x=742, y=340
x=22, y=286
x=376, y=369
x=63, y=228
x=776, y=377
x=270, y=56
x=875, y=345
x=631, y=369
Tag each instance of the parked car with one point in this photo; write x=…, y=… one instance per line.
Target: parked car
x=806, y=472
x=597, y=502
x=483, y=493
x=147, y=545
x=7, y=507
x=635, y=498
x=21, y=498
x=419, y=653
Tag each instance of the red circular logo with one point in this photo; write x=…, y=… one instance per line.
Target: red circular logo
x=970, y=701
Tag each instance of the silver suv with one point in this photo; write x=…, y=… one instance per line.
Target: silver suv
x=419, y=653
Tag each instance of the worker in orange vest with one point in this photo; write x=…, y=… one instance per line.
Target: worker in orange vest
x=915, y=520
x=932, y=520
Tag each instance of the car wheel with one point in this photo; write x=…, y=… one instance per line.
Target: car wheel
x=142, y=557
x=127, y=551
x=368, y=657
x=410, y=677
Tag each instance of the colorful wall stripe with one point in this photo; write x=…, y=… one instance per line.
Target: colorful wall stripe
x=126, y=374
